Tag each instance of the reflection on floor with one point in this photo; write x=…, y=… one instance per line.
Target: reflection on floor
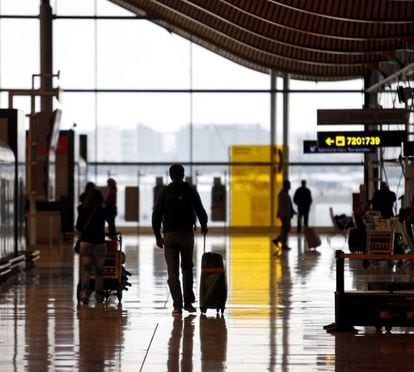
x=277, y=307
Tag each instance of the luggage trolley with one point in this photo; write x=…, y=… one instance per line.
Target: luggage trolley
x=115, y=274
x=380, y=238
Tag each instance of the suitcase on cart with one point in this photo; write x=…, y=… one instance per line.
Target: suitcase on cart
x=357, y=240
x=213, y=282
x=312, y=237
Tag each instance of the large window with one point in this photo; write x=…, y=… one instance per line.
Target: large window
x=145, y=95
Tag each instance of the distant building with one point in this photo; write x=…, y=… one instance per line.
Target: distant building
x=211, y=142
x=139, y=144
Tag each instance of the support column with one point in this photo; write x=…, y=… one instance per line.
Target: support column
x=409, y=167
x=286, y=81
x=46, y=102
x=372, y=161
x=273, y=142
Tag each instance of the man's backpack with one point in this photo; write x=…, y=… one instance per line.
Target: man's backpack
x=178, y=206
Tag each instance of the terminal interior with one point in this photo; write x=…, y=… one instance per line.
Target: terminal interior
x=245, y=95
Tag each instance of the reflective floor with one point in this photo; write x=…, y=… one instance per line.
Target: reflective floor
x=276, y=311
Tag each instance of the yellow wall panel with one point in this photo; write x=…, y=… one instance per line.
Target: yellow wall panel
x=250, y=185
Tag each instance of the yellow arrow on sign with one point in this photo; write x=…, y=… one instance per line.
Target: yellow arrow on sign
x=329, y=141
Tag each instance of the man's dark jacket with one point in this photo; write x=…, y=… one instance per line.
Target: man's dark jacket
x=176, y=209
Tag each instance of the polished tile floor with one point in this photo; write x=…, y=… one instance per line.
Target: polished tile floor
x=276, y=311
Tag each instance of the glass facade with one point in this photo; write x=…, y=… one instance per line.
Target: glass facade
x=147, y=98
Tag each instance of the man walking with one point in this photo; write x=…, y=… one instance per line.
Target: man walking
x=303, y=199
x=176, y=209
x=285, y=212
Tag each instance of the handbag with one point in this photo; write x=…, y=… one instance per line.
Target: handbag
x=76, y=246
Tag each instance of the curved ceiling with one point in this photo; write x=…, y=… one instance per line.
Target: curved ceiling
x=308, y=39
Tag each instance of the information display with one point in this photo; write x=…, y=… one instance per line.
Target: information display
x=361, y=139
x=311, y=147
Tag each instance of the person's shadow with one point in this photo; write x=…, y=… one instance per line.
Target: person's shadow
x=213, y=343
x=101, y=331
x=182, y=334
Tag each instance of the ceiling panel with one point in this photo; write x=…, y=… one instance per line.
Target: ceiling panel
x=309, y=39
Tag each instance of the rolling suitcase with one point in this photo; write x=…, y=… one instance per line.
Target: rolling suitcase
x=357, y=240
x=213, y=282
x=312, y=237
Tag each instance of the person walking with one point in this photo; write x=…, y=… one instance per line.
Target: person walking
x=285, y=213
x=92, y=251
x=88, y=187
x=111, y=205
x=303, y=199
x=176, y=209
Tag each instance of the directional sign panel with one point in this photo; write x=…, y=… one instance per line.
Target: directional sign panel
x=362, y=116
x=362, y=139
x=311, y=147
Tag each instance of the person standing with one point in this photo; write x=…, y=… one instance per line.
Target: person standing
x=176, y=209
x=111, y=205
x=388, y=199
x=303, y=199
x=383, y=200
x=91, y=225
x=285, y=213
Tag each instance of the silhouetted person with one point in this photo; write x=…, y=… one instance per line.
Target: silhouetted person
x=383, y=201
x=110, y=205
x=303, y=199
x=285, y=212
x=91, y=225
x=82, y=197
x=176, y=209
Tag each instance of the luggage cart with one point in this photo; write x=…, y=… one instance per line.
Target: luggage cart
x=115, y=274
x=380, y=238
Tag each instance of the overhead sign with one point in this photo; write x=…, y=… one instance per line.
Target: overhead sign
x=362, y=116
x=371, y=139
x=311, y=147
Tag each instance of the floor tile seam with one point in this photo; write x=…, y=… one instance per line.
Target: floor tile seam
x=149, y=347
